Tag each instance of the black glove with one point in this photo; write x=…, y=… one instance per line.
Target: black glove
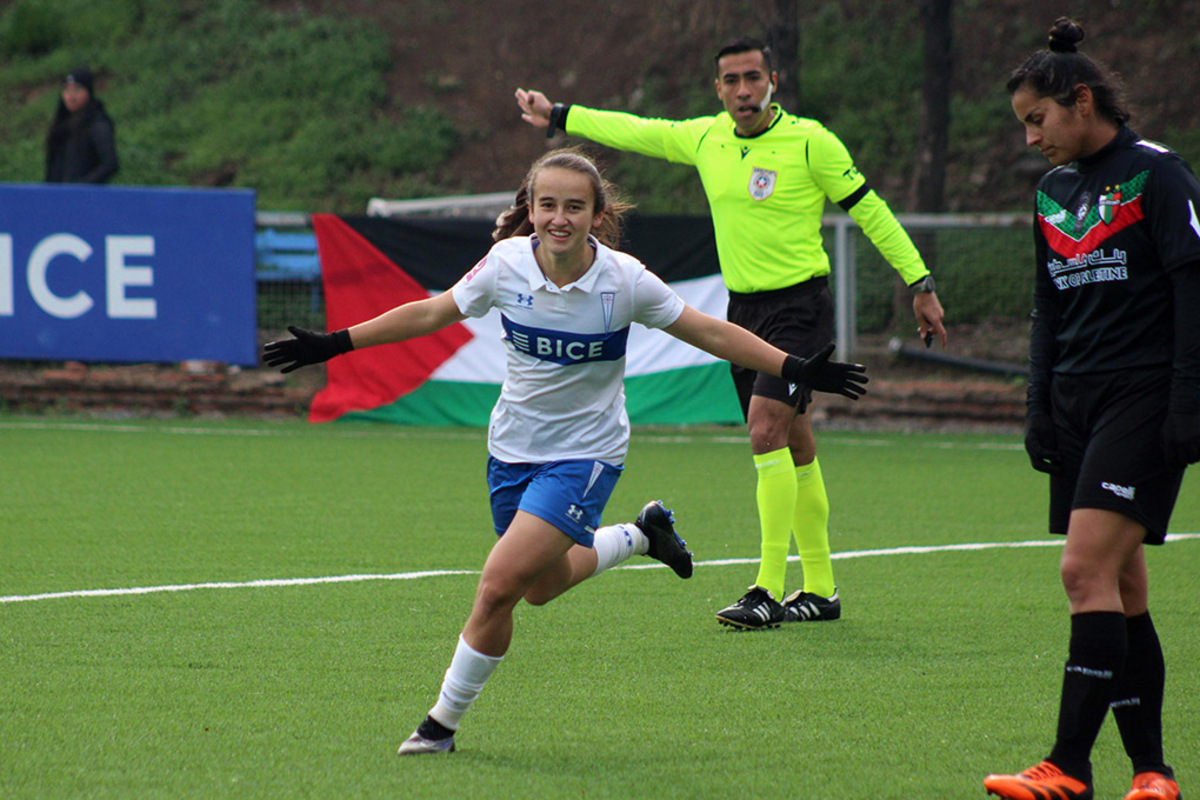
x=309, y=347
x=1041, y=443
x=822, y=375
x=1181, y=440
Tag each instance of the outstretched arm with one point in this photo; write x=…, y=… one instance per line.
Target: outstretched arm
x=739, y=346
x=397, y=325
x=407, y=321
x=727, y=341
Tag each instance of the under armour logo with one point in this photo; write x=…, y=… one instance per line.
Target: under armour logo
x=574, y=511
x=525, y=300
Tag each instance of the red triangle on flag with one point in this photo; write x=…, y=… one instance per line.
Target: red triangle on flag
x=361, y=283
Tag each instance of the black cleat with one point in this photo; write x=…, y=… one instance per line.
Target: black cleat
x=809, y=607
x=757, y=609
x=658, y=524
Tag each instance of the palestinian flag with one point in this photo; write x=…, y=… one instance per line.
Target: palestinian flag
x=453, y=377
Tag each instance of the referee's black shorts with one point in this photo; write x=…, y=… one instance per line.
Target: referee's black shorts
x=797, y=319
x=1109, y=428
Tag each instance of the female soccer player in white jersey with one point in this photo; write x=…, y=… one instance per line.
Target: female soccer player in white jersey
x=559, y=432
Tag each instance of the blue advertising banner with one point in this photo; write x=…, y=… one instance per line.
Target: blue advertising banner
x=124, y=274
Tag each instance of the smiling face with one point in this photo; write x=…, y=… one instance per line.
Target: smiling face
x=744, y=86
x=1063, y=133
x=562, y=210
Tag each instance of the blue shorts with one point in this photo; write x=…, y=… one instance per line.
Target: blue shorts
x=570, y=495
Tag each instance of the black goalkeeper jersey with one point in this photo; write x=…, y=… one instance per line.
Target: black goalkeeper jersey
x=1109, y=231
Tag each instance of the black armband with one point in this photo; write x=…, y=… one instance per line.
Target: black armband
x=558, y=119
x=851, y=201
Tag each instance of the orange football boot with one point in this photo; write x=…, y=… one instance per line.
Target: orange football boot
x=1153, y=786
x=1043, y=782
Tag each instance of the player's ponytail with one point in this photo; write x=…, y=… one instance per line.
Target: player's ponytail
x=1056, y=72
x=514, y=220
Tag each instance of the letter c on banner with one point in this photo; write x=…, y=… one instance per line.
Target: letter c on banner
x=77, y=304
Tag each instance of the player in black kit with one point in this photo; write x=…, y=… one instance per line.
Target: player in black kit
x=1113, y=401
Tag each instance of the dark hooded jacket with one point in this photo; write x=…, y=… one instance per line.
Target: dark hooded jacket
x=81, y=147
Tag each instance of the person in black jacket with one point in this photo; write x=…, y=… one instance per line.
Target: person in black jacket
x=81, y=147
x=1113, y=399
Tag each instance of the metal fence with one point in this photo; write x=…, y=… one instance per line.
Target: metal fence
x=982, y=263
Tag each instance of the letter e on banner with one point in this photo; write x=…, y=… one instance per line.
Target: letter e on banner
x=120, y=275
x=6, y=275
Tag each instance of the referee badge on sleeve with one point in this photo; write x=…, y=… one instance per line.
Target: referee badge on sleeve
x=762, y=183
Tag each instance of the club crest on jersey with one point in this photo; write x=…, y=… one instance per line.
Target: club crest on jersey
x=607, y=299
x=1082, y=212
x=762, y=183
x=1074, y=233
x=1108, y=203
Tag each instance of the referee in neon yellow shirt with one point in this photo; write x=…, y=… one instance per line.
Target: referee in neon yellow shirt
x=767, y=175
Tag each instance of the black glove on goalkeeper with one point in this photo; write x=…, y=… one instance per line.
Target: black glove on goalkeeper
x=1181, y=439
x=309, y=347
x=822, y=375
x=1041, y=443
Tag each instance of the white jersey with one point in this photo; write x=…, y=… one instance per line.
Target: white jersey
x=563, y=395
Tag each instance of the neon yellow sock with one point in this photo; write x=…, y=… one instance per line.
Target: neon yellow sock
x=776, y=496
x=810, y=523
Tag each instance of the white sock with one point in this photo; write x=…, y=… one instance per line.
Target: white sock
x=469, y=671
x=617, y=543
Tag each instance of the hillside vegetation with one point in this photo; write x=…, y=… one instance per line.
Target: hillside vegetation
x=320, y=104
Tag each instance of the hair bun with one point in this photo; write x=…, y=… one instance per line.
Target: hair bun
x=1065, y=35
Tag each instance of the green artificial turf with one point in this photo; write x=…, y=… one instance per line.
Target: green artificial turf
x=945, y=666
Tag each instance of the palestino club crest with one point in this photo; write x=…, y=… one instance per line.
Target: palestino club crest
x=1108, y=203
x=762, y=183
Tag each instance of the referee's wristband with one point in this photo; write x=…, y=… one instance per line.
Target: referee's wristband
x=558, y=119
x=923, y=286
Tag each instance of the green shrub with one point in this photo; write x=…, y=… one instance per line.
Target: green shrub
x=31, y=28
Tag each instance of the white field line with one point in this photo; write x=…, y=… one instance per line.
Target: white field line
x=400, y=432
x=407, y=576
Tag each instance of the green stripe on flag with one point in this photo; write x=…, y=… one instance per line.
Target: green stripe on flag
x=438, y=403
x=688, y=396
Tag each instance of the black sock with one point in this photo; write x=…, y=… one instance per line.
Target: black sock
x=1137, y=702
x=1095, y=656
x=433, y=730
